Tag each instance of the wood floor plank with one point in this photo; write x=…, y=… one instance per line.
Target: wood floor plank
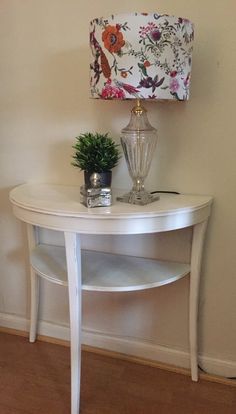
x=35, y=379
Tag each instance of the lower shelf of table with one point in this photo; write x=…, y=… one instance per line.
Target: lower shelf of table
x=105, y=271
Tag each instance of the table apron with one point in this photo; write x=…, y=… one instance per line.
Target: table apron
x=114, y=225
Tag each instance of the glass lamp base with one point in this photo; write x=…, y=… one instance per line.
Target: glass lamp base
x=138, y=197
x=138, y=140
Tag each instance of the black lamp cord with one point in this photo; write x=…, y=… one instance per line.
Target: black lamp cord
x=164, y=192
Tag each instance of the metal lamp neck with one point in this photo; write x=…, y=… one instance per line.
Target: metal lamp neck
x=138, y=109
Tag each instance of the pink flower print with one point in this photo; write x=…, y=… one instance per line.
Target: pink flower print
x=187, y=80
x=152, y=26
x=155, y=35
x=173, y=73
x=112, y=92
x=174, y=85
x=182, y=20
x=119, y=93
x=145, y=30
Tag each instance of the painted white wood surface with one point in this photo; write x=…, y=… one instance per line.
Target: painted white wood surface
x=58, y=207
x=107, y=272
x=33, y=239
x=73, y=259
x=196, y=259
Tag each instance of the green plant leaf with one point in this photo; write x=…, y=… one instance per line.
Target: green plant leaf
x=95, y=152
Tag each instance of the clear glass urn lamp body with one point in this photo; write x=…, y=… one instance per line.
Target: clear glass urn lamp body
x=138, y=141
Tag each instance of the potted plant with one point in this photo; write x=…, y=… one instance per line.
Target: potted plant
x=96, y=153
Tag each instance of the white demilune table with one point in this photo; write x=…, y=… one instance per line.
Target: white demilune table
x=58, y=207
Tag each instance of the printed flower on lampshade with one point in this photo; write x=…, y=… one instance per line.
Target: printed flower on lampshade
x=141, y=55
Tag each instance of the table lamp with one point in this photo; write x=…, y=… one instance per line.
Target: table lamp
x=140, y=56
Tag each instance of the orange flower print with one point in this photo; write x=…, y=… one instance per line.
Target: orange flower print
x=113, y=38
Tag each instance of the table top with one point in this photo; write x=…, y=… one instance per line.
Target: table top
x=58, y=206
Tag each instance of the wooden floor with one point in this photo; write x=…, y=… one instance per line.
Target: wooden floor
x=35, y=378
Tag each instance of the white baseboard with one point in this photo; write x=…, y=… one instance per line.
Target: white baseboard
x=12, y=321
x=124, y=345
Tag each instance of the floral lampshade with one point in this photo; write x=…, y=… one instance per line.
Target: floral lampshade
x=141, y=56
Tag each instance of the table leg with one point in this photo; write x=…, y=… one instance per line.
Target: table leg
x=73, y=258
x=196, y=258
x=33, y=239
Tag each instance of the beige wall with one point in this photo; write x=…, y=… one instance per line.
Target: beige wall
x=45, y=104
